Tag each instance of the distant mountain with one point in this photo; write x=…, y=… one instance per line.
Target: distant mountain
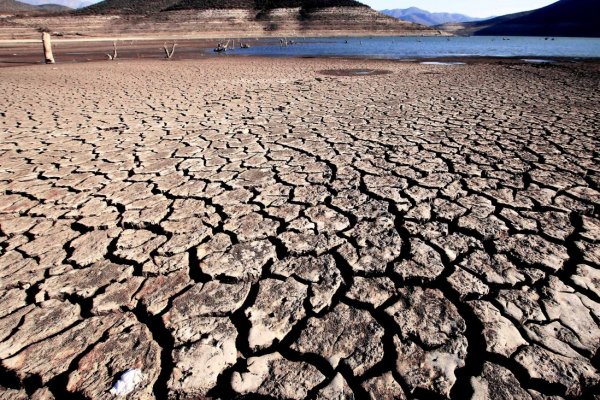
x=574, y=18
x=13, y=6
x=66, y=3
x=52, y=8
x=423, y=17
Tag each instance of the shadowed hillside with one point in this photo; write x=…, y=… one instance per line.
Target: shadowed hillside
x=575, y=18
x=52, y=8
x=469, y=28
x=564, y=18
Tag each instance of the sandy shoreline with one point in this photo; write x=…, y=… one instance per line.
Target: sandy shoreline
x=300, y=228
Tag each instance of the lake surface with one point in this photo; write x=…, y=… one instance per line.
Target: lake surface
x=535, y=48
x=422, y=49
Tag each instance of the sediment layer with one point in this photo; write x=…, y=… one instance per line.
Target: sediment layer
x=281, y=22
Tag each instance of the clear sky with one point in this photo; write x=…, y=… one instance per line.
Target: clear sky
x=472, y=8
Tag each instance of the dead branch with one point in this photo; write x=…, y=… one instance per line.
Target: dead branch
x=114, y=55
x=169, y=54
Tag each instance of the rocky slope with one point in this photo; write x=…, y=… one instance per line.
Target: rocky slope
x=208, y=18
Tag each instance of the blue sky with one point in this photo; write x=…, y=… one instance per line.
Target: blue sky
x=473, y=8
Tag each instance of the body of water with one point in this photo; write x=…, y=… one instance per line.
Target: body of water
x=430, y=47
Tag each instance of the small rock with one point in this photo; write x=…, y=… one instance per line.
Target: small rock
x=337, y=389
x=127, y=382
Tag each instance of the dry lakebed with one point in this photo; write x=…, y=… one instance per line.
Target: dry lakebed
x=300, y=228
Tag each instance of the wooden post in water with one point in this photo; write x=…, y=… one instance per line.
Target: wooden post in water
x=47, y=42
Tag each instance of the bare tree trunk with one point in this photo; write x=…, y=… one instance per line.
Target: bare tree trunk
x=169, y=54
x=113, y=56
x=47, y=42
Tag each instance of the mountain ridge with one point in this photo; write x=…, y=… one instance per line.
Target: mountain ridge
x=14, y=6
x=7, y=6
x=427, y=18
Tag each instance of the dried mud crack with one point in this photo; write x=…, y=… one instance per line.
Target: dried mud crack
x=290, y=229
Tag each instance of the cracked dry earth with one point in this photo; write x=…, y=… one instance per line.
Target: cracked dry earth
x=247, y=228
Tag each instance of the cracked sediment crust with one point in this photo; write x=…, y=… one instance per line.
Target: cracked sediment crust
x=254, y=227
